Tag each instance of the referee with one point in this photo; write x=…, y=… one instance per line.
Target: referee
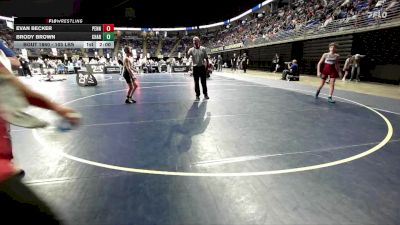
x=199, y=54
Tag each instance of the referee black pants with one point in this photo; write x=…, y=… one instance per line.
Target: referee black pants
x=200, y=72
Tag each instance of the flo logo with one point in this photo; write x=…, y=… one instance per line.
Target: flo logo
x=84, y=79
x=377, y=14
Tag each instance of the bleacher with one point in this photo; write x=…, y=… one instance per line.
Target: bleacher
x=289, y=23
x=152, y=43
x=168, y=44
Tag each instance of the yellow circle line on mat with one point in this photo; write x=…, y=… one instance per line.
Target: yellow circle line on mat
x=241, y=174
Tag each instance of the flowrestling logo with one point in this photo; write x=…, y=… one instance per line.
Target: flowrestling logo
x=60, y=21
x=217, y=49
x=238, y=45
x=112, y=69
x=178, y=69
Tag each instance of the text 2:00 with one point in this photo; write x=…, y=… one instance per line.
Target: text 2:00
x=105, y=44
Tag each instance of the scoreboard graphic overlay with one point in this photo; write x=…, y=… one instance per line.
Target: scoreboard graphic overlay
x=62, y=33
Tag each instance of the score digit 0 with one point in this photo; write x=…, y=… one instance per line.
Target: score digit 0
x=108, y=27
x=109, y=36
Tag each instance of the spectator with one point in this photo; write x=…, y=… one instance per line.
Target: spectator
x=356, y=66
x=346, y=68
x=292, y=69
x=234, y=62
x=245, y=62
x=276, y=63
x=25, y=67
x=220, y=62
